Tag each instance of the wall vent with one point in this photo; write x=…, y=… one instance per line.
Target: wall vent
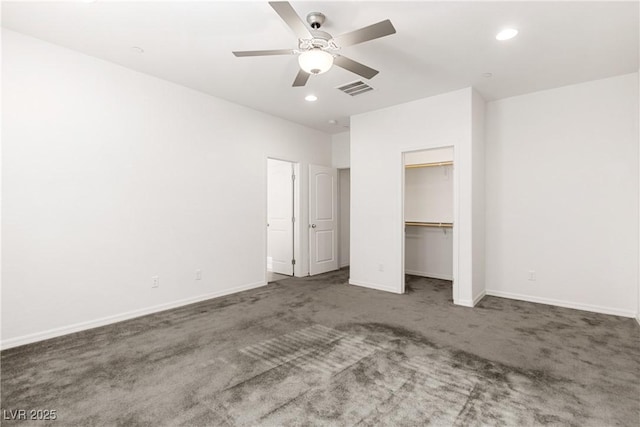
x=355, y=88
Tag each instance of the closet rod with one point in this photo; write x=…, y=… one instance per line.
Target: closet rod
x=427, y=165
x=430, y=224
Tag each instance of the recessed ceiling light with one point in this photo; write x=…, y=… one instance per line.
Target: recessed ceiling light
x=487, y=75
x=506, y=34
x=333, y=121
x=137, y=49
x=310, y=98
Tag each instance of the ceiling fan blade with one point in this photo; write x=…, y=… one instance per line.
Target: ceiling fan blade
x=264, y=52
x=355, y=67
x=291, y=18
x=301, y=78
x=374, y=31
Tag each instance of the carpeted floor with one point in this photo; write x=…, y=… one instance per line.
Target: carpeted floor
x=274, y=277
x=317, y=352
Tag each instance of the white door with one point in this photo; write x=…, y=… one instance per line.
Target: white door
x=323, y=212
x=280, y=217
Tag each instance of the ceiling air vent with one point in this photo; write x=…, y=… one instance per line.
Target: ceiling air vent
x=355, y=88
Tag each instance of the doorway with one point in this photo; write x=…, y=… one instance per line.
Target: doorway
x=429, y=207
x=344, y=216
x=280, y=219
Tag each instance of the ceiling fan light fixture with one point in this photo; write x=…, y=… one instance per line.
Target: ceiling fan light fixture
x=315, y=61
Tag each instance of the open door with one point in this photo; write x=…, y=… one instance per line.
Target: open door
x=323, y=213
x=280, y=217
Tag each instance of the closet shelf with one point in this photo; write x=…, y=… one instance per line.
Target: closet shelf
x=428, y=165
x=429, y=224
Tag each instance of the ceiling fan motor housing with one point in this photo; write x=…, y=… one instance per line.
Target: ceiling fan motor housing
x=315, y=19
x=320, y=40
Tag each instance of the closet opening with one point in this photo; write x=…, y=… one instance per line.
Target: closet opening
x=429, y=212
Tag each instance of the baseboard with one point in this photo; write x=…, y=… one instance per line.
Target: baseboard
x=77, y=327
x=373, y=286
x=470, y=303
x=638, y=318
x=430, y=275
x=344, y=265
x=464, y=302
x=565, y=304
x=477, y=299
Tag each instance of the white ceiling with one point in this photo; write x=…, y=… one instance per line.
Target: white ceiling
x=439, y=47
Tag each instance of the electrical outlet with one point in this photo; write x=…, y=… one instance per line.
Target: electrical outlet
x=380, y=267
x=155, y=281
x=532, y=275
x=198, y=274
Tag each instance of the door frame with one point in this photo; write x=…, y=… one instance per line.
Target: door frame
x=456, y=214
x=297, y=255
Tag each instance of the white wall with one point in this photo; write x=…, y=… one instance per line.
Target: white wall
x=428, y=194
x=562, y=196
x=429, y=252
x=344, y=194
x=340, y=150
x=434, y=155
x=378, y=140
x=478, y=186
x=111, y=176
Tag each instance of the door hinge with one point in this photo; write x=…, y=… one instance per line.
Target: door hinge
x=293, y=219
x=293, y=261
x=293, y=177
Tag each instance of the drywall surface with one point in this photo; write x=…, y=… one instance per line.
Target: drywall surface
x=378, y=140
x=340, y=157
x=428, y=194
x=429, y=156
x=562, y=196
x=344, y=202
x=111, y=177
x=479, y=194
x=429, y=252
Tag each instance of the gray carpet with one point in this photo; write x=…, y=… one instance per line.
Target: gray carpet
x=274, y=277
x=316, y=352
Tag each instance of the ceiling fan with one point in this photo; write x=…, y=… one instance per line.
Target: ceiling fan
x=317, y=49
